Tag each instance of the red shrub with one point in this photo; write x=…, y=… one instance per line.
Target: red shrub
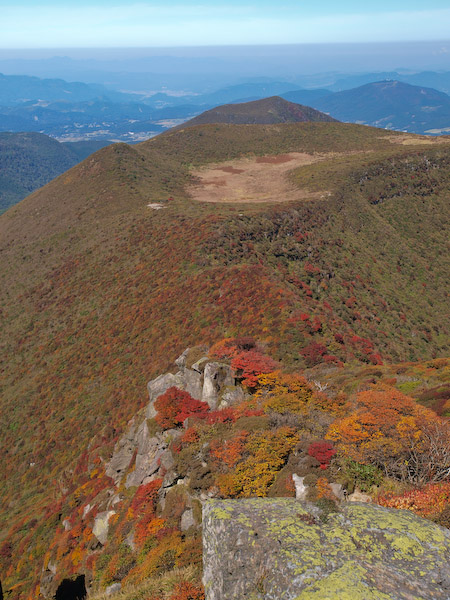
x=323, y=452
x=313, y=353
x=175, y=406
x=251, y=364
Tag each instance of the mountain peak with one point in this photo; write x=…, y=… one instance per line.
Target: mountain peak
x=267, y=111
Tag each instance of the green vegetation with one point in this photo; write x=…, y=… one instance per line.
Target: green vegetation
x=30, y=160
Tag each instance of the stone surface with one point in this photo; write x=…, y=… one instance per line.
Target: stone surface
x=113, y=589
x=149, y=452
x=231, y=395
x=215, y=377
x=338, y=491
x=123, y=454
x=187, y=520
x=301, y=490
x=278, y=549
x=358, y=496
x=101, y=525
x=181, y=360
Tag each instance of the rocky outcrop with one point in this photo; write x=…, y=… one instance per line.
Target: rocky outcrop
x=205, y=380
x=139, y=454
x=282, y=549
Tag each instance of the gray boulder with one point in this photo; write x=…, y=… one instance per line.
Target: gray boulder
x=215, y=377
x=277, y=549
x=123, y=454
x=101, y=526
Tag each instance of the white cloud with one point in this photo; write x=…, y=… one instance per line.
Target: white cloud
x=145, y=25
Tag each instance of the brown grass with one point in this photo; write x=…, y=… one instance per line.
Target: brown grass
x=248, y=180
x=417, y=140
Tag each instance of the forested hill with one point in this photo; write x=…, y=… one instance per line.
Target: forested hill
x=30, y=160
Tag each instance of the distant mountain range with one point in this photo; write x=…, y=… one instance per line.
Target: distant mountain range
x=30, y=160
x=437, y=80
x=16, y=89
x=74, y=111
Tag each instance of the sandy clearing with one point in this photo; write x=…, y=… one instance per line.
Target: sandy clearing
x=256, y=179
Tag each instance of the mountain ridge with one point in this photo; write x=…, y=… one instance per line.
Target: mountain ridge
x=263, y=112
x=112, y=269
x=391, y=104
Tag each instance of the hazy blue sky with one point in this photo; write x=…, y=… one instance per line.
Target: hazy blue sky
x=103, y=23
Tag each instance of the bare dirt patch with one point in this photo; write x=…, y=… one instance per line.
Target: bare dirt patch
x=276, y=160
x=248, y=180
x=231, y=170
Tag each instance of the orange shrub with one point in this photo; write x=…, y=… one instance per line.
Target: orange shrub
x=428, y=501
x=387, y=429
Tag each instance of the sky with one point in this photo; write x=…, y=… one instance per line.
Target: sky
x=116, y=23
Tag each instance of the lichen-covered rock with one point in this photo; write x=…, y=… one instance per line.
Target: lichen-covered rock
x=280, y=549
x=231, y=394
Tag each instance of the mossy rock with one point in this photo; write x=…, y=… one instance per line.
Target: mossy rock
x=280, y=548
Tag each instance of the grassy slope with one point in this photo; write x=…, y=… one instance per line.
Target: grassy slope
x=99, y=293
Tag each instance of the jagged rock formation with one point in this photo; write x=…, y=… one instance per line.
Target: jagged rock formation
x=281, y=549
x=207, y=380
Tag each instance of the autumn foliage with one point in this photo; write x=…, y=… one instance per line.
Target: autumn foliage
x=323, y=452
x=247, y=360
x=175, y=406
x=428, y=501
x=393, y=432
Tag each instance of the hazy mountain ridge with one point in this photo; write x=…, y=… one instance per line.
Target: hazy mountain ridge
x=391, y=104
x=16, y=89
x=98, y=113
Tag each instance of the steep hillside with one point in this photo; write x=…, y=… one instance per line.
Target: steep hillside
x=266, y=111
x=30, y=160
x=114, y=268
x=392, y=105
